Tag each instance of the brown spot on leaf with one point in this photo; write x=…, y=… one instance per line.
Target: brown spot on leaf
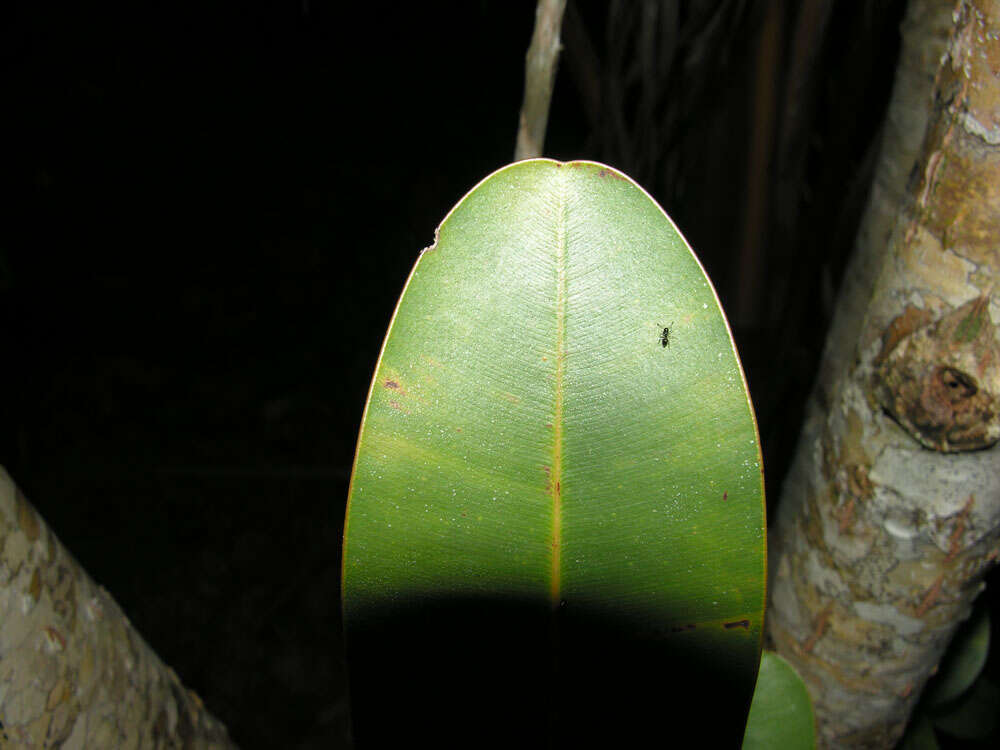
x=604, y=173
x=725, y=496
x=393, y=385
x=398, y=406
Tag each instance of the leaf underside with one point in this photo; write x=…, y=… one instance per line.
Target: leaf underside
x=555, y=525
x=781, y=713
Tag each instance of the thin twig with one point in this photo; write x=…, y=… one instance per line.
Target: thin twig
x=539, y=77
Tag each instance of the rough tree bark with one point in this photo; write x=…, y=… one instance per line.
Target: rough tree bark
x=890, y=514
x=73, y=672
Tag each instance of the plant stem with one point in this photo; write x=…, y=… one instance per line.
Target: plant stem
x=539, y=76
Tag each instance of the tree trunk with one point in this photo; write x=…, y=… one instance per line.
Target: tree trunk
x=890, y=514
x=73, y=672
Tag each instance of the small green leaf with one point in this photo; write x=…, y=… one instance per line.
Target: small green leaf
x=963, y=661
x=969, y=327
x=974, y=715
x=919, y=735
x=781, y=714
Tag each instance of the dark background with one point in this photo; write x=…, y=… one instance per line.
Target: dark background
x=211, y=210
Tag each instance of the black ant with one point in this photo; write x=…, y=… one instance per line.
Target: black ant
x=665, y=336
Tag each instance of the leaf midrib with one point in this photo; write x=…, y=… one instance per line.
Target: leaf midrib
x=557, y=420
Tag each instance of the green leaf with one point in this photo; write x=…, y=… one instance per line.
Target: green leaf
x=963, y=661
x=781, y=714
x=969, y=327
x=974, y=715
x=555, y=524
x=919, y=735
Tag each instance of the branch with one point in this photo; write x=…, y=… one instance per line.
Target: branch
x=539, y=76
